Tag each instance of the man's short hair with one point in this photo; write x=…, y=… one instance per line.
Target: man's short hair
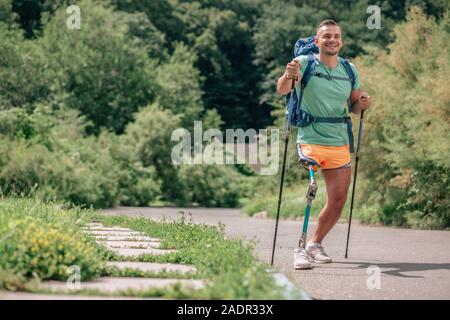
x=328, y=22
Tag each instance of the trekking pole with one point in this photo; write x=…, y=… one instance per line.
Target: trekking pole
x=354, y=179
x=286, y=142
x=310, y=195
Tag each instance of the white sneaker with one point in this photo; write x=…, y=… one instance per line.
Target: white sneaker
x=316, y=253
x=301, y=261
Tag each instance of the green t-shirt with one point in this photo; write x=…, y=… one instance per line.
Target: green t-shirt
x=326, y=98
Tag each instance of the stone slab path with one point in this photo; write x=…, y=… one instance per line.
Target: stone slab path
x=130, y=244
x=118, y=284
x=133, y=252
x=8, y=295
x=113, y=233
x=127, y=238
x=127, y=243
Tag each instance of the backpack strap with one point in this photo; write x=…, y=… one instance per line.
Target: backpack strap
x=351, y=75
x=305, y=78
x=328, y=77
x=349, y=70
x=346, y=64
x=308, y=70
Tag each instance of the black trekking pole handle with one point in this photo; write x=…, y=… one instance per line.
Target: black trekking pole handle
x=358, y=148
x=293, y=83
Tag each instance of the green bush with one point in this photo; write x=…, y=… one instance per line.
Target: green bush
x=41, y=241
x=15, y=123
x=83, y=176
x=138, y=185
x=211, y=185
x=149, y=137
x=49, y=155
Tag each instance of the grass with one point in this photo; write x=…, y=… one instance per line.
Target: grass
x=131, y=272
x=175, y=291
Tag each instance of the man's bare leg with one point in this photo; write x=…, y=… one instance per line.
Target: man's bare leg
x=337, y=182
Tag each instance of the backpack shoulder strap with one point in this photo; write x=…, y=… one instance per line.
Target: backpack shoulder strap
x=305, y=79
x=349, y=70
x=351, y=75
x=309, y=68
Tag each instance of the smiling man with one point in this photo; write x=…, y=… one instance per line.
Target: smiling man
x=327, y=144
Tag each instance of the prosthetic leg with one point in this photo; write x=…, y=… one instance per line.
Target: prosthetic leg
x=301, y=257
x=310, y=195
x=311, y=165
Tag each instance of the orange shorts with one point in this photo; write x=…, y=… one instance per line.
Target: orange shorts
x=327, y=157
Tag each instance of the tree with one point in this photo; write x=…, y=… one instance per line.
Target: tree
x=180, y=85
x=23, y=70
x=274, y=36
x=161, y=14
x=406, y=131
x=7, y=15
x=97, y=69
x=30, y=13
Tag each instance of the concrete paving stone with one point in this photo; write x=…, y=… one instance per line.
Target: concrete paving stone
x=130, y=244
x=116, y=284
x=126, y=238
x=117, y=229
x=150, y=266
x=137, y=252
x=8, y=295
x=94, y=224
x=113, y=233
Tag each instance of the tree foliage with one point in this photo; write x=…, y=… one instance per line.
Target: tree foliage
x=405, y=144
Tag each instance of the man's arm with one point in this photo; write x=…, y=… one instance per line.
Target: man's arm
x=284, y=84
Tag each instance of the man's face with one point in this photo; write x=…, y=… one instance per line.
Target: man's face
x=329, y=39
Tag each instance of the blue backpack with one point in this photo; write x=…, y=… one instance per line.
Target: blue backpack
x=300, y=118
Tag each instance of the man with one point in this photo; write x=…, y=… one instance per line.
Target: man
x=325, y=143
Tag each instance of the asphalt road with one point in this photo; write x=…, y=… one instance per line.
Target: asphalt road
x=411, y=264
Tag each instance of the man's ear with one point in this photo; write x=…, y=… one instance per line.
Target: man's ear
x=315, y=40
